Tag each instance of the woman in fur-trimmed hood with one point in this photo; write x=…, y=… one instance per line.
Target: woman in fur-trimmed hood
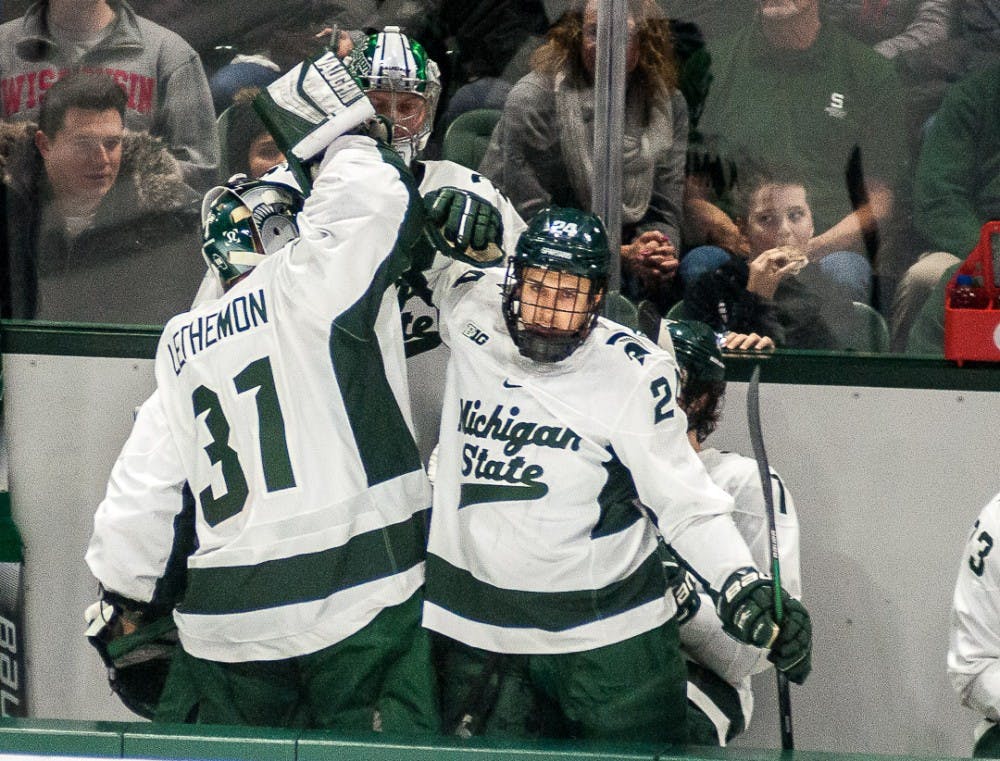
x=136, y=261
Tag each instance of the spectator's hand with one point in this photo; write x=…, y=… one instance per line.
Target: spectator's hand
x=652, y=258
x=767, y=270
x=747, y=342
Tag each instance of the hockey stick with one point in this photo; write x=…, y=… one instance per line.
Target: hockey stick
x=13, y=671
x=757, y=441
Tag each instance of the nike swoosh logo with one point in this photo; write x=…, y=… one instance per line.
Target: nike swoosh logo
x=508, y=384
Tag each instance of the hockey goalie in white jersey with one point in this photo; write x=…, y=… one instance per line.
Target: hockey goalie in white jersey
x=283, y=407
x=543, y=577
x=404, y=85
x=719, y=667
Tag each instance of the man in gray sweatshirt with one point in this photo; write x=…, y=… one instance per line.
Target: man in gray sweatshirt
x=162, y=76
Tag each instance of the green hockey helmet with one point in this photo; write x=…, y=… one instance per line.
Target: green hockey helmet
x=696, y=347
x=555, y=283
x=568, y=240
x=402, y=82
x=245, y=220
x=703, y=374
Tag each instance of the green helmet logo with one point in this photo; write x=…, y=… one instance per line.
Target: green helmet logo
x=567, y=240
x=245, y=220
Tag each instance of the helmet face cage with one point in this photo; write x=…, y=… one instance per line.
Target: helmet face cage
x=555, y=283
x=397, y=68
x=244, y=221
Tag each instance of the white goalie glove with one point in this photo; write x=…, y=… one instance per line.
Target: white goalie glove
x=311, y=105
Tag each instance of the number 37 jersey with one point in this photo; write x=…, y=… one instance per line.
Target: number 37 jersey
x=283, y=406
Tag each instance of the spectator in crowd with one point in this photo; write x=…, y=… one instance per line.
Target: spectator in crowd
x=720, y=698
x=543, y=577
x=910, y=33
x=774, y=290
x=101, y=225
x=893, y=27
x=542, y=149
x=792, y=91
x=956, y=190
x=167, y=93
x=248, y=148
x=303, y=597
x=494, y=42
x=974, y=639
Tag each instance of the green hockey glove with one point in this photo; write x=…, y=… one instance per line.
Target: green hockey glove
x=464, y=226
x=137, y=653
x=746, y=608
x=792, y=650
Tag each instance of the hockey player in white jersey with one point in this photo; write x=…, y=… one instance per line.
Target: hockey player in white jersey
x=720, y=694
x=974, y=637
x=283, y=407
x=404, y=85
x=543, y=577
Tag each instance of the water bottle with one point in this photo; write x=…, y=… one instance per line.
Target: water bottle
x=968, y=295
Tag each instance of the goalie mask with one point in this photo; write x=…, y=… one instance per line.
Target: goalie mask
x=555, y=283
x=403, y=85
x=703, y=374
x=245, y=220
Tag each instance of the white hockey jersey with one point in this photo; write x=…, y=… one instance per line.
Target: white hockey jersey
x=426, y=355
x=536, y=545
x=974, y=637
x=702, y=637
x=284, y=406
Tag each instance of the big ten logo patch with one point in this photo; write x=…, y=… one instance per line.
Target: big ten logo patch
x=475, y=334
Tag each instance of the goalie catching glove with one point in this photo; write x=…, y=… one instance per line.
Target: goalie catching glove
x=464, y=226
x=137, y=654
x=310, y=106
x=746, y=607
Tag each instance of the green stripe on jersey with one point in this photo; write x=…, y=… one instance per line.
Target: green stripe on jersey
x=304, y=578
x=463, y=594
x=616, y=500
x=385, y=444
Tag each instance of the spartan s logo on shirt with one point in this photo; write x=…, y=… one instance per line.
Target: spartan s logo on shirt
x=836, y=106
x=508, y=475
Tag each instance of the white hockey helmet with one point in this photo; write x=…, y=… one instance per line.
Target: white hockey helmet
x=402, y=82
x=245, y=220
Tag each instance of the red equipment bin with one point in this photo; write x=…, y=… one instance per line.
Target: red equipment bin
x=974, y=334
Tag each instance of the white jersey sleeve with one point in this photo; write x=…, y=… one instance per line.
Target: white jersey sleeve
x=693, y=513
x=703, y=637
x=974, y=638
x=133, y=527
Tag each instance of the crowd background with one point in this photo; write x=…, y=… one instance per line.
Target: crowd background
x=846, y=98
